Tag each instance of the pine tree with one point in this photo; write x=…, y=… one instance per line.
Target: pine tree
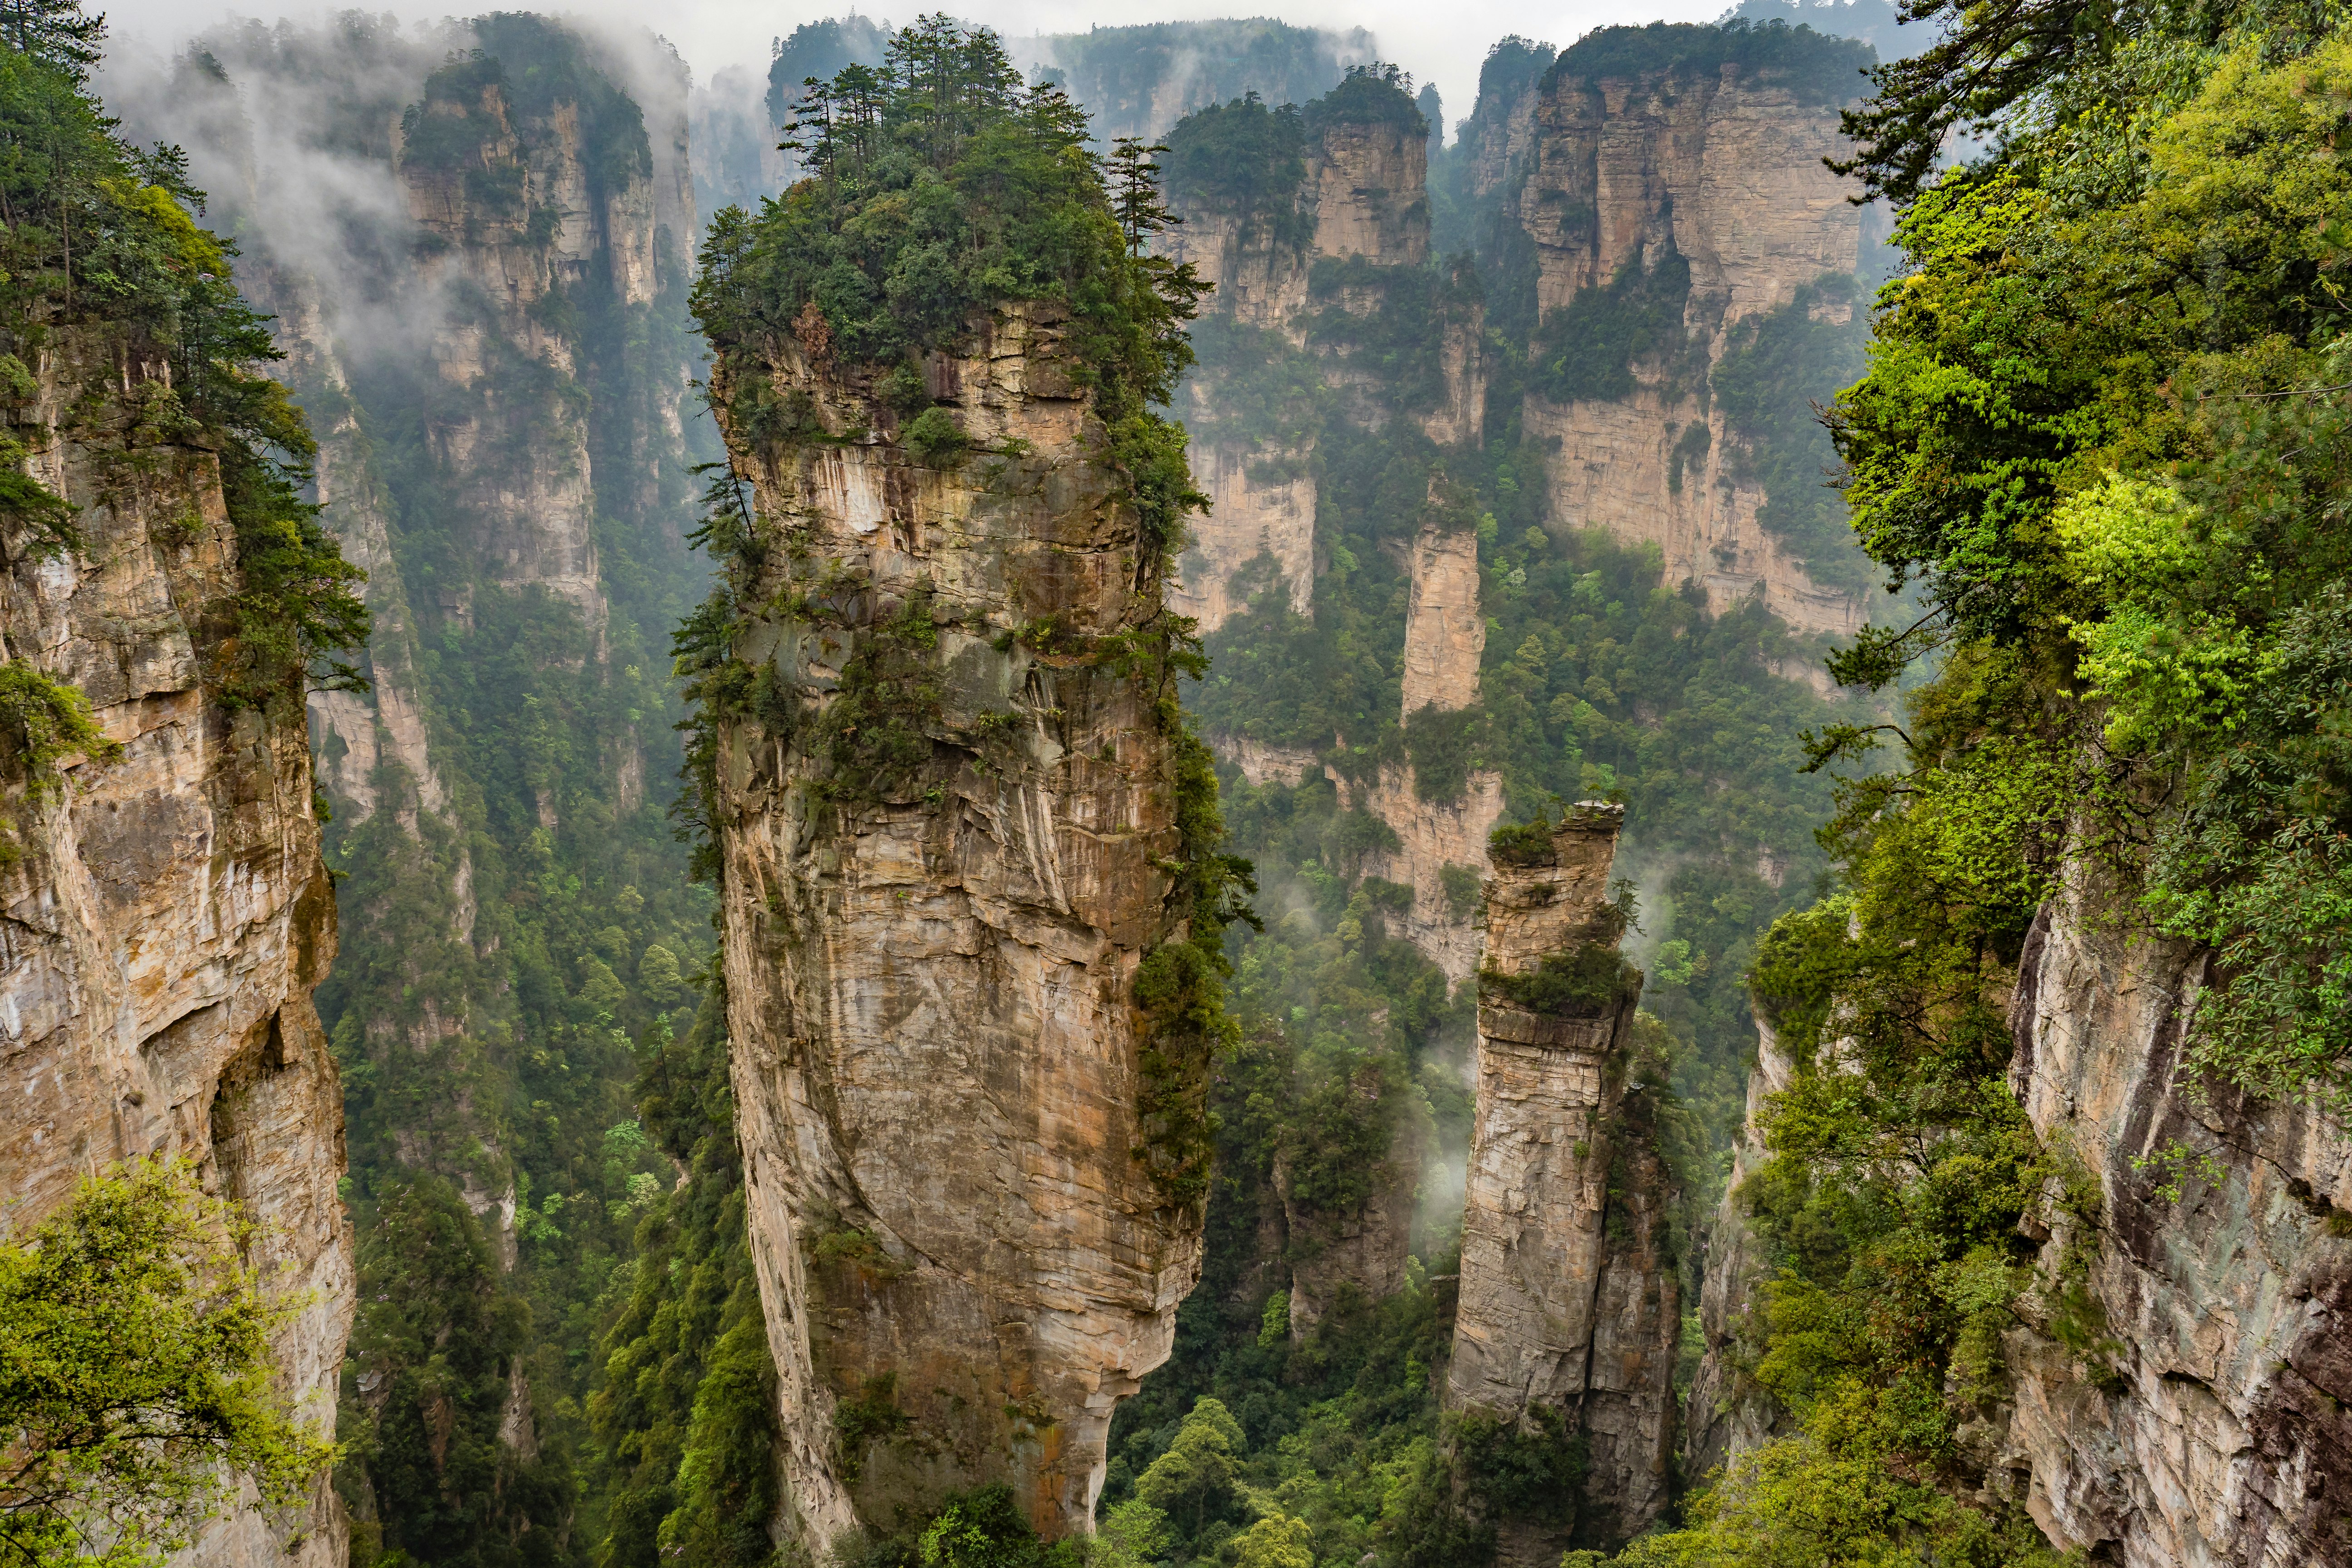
x=1135, y=192
x=53, y=32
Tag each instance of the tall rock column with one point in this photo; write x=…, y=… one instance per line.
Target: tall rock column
x=1569, y=1307
x=947, y=816
x=167, y=915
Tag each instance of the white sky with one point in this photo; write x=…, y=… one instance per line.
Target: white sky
x=1439, y=40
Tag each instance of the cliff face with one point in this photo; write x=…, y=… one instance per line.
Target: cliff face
x=472, y=238
x=1363, y=194
x=478, y=194
x=1569, y=1307
x=2207, y=1422
x=1660, y=168
x=167, y=915
x=1723, y=1414
x=1269, y=514
x=964, y=1260
x=1370, y=185
x=2195, y=1419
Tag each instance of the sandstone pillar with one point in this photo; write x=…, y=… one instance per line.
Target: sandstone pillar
x=947, y=820
x=1569, y=1308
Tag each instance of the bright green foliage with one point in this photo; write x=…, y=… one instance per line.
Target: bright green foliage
x=1132, y=1535
x=1276, y=1540
x=2100, y=428
x=1838, y=1500
x=1197, y=1475
x=1325, y=1432
x=136, y=1377
x=42, y=722
x=986, y=1528
x=2082, y=430
x=940, y=188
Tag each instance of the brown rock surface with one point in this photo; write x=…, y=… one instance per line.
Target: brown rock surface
x=936, y=1056
x=1723, y=1414
x=1370, y=192
x=1569, y=1301
x=1431, y=834
x=1445, y=634
x=2221, y=1432
x=1728, y=175
x=168, y=915
x=1246, y=518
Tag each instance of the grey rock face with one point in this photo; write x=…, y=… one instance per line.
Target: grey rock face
x=963, y=1257
x=1569, y=1307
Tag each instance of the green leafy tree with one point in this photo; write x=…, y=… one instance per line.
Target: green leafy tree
x=1196, y=1478
x=136, y=1378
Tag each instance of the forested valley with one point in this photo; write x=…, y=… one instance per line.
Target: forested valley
x=1104, y=800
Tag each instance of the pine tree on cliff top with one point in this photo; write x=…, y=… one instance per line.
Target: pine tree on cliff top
x=940, y=186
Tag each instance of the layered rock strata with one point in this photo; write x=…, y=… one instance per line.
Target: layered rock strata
x=2208, y=1424
x=1722, y=172
x=167, y=915
x=964, y=1255
x=1570, y=1309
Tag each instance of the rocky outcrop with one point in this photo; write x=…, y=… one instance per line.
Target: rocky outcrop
x=513, y=208
x=2198, y=1417
x=1724, y=1414
x=1369, y=182
x=355, y=734
x=1569, y=1308
x=1445, y=634
x=2209, y=1422
x=1270, y=515
x=1366, y=1247
x=166, y=915
x=964, y=1253
x=1439, y=842
x=1696, y=165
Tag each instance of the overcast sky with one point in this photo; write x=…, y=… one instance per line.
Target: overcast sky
x=1440, y=40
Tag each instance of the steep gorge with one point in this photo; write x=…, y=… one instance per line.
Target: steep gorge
x=475, y=239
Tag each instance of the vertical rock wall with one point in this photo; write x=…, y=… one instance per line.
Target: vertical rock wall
x=1364, y=194
x=164, y=917
x=1725, y=174
x=1723, y=1413
x=2209, y=1422
x=1570, y=1305
x=2187, y=1408
x=963, y=1257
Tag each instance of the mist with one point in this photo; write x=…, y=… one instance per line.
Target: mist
x=1444, y=45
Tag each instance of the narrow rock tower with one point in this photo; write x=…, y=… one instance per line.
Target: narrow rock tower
x=1569, y=1308
x=948, y=811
